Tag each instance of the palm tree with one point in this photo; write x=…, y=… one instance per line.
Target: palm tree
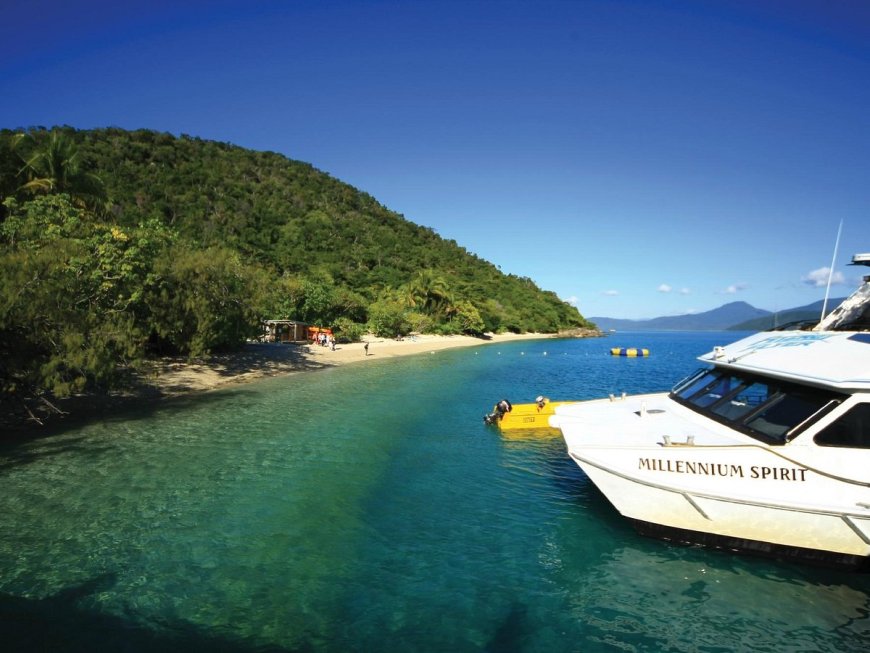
x=10, y=163
x=430, y=291
x=55, y=166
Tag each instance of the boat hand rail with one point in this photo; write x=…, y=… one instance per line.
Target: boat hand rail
x=796, y=325
x=860, y=324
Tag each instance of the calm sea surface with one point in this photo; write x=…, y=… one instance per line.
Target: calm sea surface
x=370, y=509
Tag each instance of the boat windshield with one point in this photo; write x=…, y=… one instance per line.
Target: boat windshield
x=767, y=409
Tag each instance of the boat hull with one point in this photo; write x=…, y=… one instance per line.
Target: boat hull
x=715, y=486
x=766, y=450
x=752, y=547
x=688, y=509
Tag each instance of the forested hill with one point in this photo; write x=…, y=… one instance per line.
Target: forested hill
x=285, y=214
x=296, y=220
x=119, y=243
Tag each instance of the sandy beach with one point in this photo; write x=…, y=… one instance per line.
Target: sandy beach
x=178, y=378
x=256, y=360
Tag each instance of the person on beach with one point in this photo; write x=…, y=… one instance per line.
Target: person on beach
x=366, y=347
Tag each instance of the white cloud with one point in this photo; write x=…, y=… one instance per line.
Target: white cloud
x=819, y=278
x=685, y=291
x=734, y=288
x=610, y=293
x=572, y=300
x=664, y=288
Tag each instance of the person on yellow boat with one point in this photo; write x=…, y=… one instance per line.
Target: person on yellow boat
x=541, y=401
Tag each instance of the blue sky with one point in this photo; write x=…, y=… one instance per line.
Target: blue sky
x=639, y=158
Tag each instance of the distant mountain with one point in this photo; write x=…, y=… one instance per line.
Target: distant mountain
x=736, y=316
x=718, y=319
x=803, y=313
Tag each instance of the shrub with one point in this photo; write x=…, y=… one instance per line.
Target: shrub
x=346, y=330
x=387, y=319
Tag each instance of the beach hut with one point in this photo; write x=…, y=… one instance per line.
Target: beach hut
x=285, y=331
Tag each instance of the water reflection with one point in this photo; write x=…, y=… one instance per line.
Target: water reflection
x=372, y=510
x=662, y=597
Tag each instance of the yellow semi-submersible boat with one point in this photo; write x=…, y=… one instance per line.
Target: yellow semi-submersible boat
x=509, y=417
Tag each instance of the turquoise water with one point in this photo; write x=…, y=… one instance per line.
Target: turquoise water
x=369, y=509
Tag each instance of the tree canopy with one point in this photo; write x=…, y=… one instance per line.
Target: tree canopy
x=115, y=244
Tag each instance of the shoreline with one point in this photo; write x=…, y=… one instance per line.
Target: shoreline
x=178, y=379
x=259, y=360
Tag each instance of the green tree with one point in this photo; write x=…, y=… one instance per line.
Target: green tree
x=281, y=298
x=289, y=218
x=419, y=322
x=317, y=301
x=468, y=319
x=347, y=330
x=350, y=305
x=429, y=291
x=205, y=301
x=10, y=165
x=387, y=319
x=55, y=164
x=71, y=296
x=492, y=314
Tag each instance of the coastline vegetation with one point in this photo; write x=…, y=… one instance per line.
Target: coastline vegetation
x=119, y=245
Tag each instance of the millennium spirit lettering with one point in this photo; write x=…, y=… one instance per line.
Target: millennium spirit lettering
x=729, y=470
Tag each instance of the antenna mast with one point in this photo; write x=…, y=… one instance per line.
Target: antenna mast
x=831, y=271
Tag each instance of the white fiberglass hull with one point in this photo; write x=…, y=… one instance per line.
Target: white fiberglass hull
x=665, y=470
x=804, y=527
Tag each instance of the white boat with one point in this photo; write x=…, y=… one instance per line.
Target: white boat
x=765, y=450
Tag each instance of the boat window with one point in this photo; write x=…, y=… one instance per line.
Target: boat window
x=747, y=398
x=709, y=395
x=788, y=410
x=691, y=384
x=850, y=430
x=768, y=410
